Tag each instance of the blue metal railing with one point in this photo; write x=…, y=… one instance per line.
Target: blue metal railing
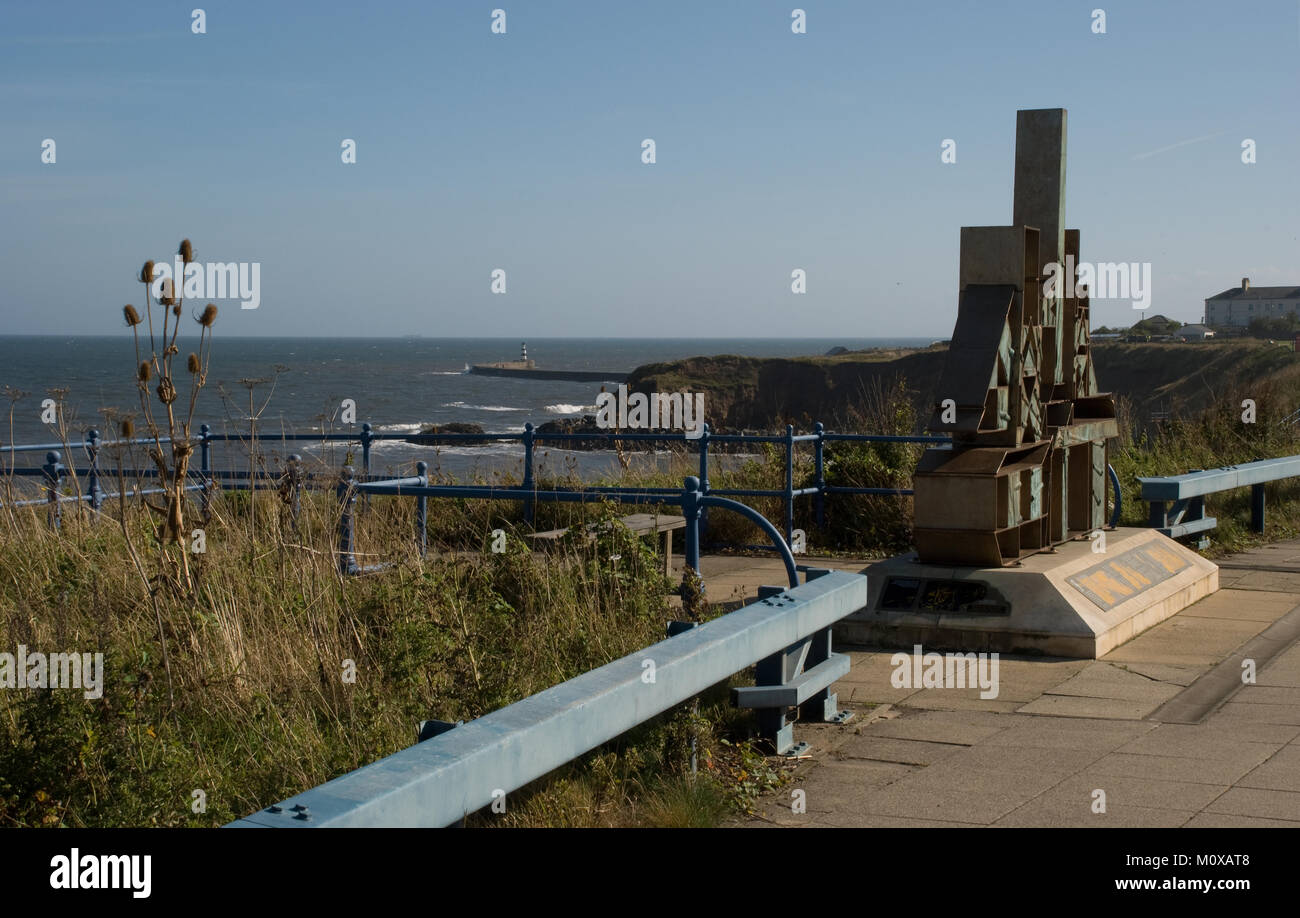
x=1186, y=514
x=205, y=478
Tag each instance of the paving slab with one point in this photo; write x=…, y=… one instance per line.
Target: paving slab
x=1207, y=820
x=960, y=700
x=951, y=793
x=876, y=821
x=1084, y=706
x=1033, y=760
x=1229, y=767
x=1268, y=694
x=1250, y=801
x=1242, y=605
x=1260, y=581
x=963, y=728
x=1183, y=674
x=1187, y=640
x=1049, y=812
x=899, y=751
x=844, y=783
x=1207, y=741
x=1078, y=791
x=1280, y=772
x=1108, y=680
x=1070, y=733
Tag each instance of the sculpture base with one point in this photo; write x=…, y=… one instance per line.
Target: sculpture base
x=1073, y=602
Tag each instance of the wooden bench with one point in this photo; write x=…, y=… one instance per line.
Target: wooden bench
x=639, y=524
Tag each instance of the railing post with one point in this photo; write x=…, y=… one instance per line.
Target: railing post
x=422, y=509
x=528, y=484
x=1119, y=496
x=1257, y=507
x=53, y=469
x=789, y=483
x=295, y=488
x=365, y=460
x=821, y=475
x=704, y=478
x=347, y=496
x=205, y=467
x=691, y=511
x=92, y=478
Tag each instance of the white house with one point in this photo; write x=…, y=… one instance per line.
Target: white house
x=1193, y=333
x=1238, y=305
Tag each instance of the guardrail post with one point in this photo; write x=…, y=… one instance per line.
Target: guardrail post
x=704, y=477
x=528, y=484
x=819, y=446
x=53, y=469
x=789, y=483
x=347, y=495
x=422, y=509
x=92, y=478
x=1257, y=507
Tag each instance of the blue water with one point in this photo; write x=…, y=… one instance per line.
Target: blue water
x=398, y=384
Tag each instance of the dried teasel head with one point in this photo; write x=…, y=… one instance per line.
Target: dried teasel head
x=132, y=317
x=192, y=362
x=176, y=310
x=146, y=273
x=128, y=430
x=145, y=373
x=167, y=299
x=186, y=251
x=209, y=316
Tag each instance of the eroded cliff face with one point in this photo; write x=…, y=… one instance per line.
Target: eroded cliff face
x=749, y=393
x=752, y=393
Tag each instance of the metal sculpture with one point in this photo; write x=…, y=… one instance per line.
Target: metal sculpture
x=1027, y=467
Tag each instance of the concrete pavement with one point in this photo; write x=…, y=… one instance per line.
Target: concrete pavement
x=1071, y=742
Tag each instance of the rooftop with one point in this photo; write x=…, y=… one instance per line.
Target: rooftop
x=1259, y=293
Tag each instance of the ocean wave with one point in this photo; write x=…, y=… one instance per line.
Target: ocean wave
x=443, y=373
x=562, y=408
x=481, y=407
x=399, y=428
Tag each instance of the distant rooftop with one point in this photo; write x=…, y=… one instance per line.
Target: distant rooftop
x=1258, y=293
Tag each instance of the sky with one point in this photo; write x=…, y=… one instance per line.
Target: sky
x=522, y=151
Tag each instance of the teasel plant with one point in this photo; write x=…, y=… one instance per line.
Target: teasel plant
x=164, y=415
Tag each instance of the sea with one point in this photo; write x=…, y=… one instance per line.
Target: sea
x=398, y=385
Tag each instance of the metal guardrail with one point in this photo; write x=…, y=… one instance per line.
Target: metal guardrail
x=439, y=781
x=1186, y=514
x=530, y=439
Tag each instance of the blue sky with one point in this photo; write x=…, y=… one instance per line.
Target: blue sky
x=522, y=151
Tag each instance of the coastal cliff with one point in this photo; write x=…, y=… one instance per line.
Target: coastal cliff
x=752, y=393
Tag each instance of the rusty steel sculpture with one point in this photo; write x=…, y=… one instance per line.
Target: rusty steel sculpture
x=1027, y=467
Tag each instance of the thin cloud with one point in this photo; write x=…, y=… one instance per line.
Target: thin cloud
x=1181, y=143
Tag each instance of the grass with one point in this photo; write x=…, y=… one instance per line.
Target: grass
x=287, y=674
